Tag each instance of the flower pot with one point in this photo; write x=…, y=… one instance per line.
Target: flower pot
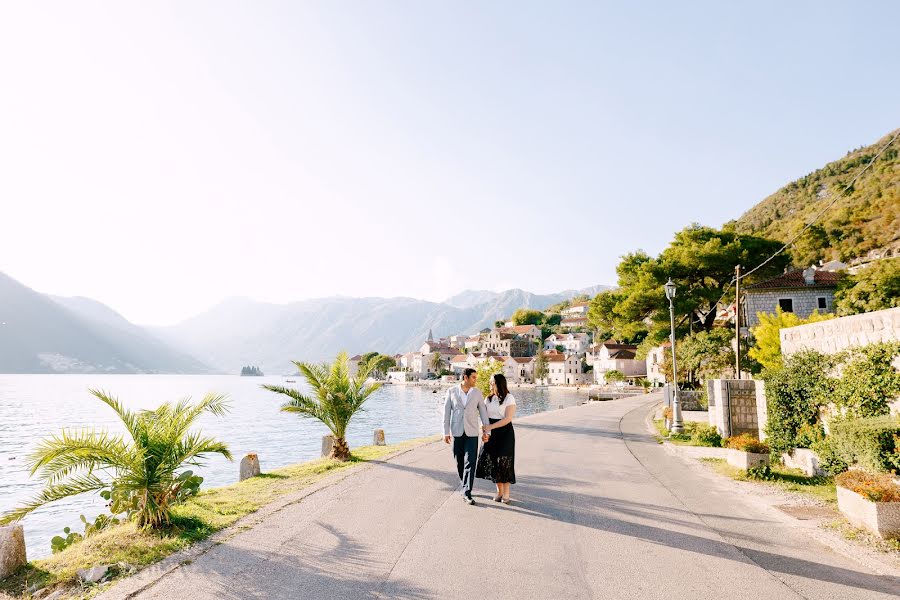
x=746, y=460
x=881, y=518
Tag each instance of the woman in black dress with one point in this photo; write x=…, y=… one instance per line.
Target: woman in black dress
x=497, y=459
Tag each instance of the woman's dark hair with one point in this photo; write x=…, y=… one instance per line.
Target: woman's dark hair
x=500, y=382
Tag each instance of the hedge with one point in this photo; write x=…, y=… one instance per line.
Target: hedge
x=872, y=444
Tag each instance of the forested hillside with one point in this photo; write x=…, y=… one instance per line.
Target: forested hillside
x=866, y=220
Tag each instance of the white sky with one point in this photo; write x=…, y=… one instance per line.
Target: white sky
x=159, y=157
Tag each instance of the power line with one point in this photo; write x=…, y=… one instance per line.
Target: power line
x=821, y=212
x=808, y=225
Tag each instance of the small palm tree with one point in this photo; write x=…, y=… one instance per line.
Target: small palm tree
x=437, y=362
x=336, y=398
x=143, y=472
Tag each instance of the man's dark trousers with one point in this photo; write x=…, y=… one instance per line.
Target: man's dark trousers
x=465, y=451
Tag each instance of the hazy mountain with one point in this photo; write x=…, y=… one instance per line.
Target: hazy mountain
x=40, y=334
x=240, y=331
x=470, y=298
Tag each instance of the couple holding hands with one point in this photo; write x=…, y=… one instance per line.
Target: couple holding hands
x=464, y=405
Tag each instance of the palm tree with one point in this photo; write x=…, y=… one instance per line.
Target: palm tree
x=143, y=477
x=336, y=398
x=437, y=362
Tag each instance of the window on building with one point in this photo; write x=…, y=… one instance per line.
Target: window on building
x=823, y=303
x=786, y=305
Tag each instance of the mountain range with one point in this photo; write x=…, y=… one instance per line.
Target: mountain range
x=241, y=331
x=49, y=334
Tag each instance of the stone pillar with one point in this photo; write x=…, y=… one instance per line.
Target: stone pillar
x=12, y=549
x=762, y=409
x=327, y=444
x=378, y=438
x=718, y=397
x=711, y=400
x=249, y=466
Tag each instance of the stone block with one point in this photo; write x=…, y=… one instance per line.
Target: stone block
x=327, y=444
x=881, y=518
x=746, y=460
x=379, y=437
x=12, y=549
x=804, y=459
x=249, y=466
x=94, y=574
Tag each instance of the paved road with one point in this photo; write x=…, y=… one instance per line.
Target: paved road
x=601, y=511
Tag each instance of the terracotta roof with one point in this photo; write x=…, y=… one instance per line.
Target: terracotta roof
x=522, y=359
x=556, y=357
x=615, y=346
x=356, y=358
x=624, y=354
x=794, y=280
x=522, y=328
x=460, y=358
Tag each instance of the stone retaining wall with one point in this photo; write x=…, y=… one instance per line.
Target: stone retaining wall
x=839, y=334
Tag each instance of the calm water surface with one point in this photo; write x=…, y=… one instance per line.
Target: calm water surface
x=35, y=406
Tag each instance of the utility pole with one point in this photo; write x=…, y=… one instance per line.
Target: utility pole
x=737, y=321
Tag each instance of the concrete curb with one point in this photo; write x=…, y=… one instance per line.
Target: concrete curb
x=131, y=586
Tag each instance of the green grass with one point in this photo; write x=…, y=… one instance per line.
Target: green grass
x=128, y=547
x=783, y=478
x=681, y=439
x=863, y=536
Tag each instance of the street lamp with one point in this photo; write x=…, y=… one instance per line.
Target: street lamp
x=677, y=425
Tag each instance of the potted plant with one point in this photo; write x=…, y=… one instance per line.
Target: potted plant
x=644, y=383
x=870, y=501
x=746, y=452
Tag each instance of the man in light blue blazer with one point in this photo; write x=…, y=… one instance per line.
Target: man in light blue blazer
x=463, y=406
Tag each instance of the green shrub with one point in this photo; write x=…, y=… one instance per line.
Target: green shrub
x=808, y=435
x=703, y=399
x=706, y=435
x=876, y=487
x=760, y=473
x=747, y=443
x=872, y=444
x=794, y=394
x=869, y=381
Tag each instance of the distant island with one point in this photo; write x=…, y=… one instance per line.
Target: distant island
x=251, y=372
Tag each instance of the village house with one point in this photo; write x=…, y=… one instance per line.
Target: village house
x=610, y=356
x=574, y=322
x=459, y=363
x=508, y=342
x=564, y=369
x=472, y=342
x=353, y=364
x=798, y=292
x=576, y=310
x=529, y=332
x=518, y=369
x=572, y=343
x=457, y=341
x=654, y=360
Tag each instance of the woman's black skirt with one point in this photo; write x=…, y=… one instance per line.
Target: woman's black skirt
x=498, y=455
